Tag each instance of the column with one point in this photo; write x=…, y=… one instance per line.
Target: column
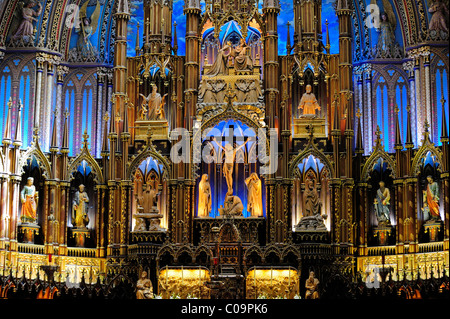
x=368, y=123
x=61, y=71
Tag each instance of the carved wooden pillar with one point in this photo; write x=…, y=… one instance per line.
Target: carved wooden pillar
x=63, y=213
x=363, y=213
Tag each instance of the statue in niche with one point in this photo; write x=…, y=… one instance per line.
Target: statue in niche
x=308, y=103
x=29, y=198
x=312, y=204
x=386, y=35
x=242, y=60
x=80, y=218
x=232, y=206
x=248, y=91
x=311, y=286
x=230, y=154
x=204, y=197
x=431, y=201
x=86, y=28
x=148, y=201
x=144, y=287
x=154, y=104
x=219, y=66
x=381, y=204
x=438, y=19
x=254, y=200
x=205, y=92
x=312, y=219
x=27, y=14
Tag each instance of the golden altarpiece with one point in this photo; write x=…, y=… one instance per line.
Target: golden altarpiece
x=231, y=171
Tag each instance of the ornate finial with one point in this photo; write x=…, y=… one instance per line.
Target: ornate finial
x=20, y=107
x=66, y=114
x=106, y=117
x=85, y=138
x=10, y=103
x=378, y=138
x=408, y=108
x=35, y=131
x=443, y=101
x=426, y=126
x=118, y=119
x=149, y=135
x=358, y=113
x=310, y=129
x=396, y=109
x=55, y=112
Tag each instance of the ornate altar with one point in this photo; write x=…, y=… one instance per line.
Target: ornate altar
x=272, y=283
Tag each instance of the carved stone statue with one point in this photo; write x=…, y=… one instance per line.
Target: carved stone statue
x=312, y=204
x=148, y=201
x=204, y=197
x=308, y=102
x=219, y=66
x=205, y=92
x=29, y=198
x=26, y=28
x=154, y=104
x=311, y=286
x=254, y=200
x=232, y=206
x=242, y=60
x=86, y=29
x=312, y=219
x=218, y=89
x=438, y=20
x=230, y=154
x=386, y=36
x=381, y=204
x=248, y=91
x=431, y=201
x=80, y=217
x=144, y=287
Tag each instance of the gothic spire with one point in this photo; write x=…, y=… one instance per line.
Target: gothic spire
x=409, y=142
x=54, y=140
x=105, y=144
x=7, y=134
x=444, y=134
x=359, y=143
x=398, y=137
x=18, y=134
x=65, y=140
x=122, y=7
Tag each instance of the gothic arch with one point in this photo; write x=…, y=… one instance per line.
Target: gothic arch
x=426, y=147
x=86, y=156
x=149, y=150
x=373, y=159
x=35, y=150
x=311, y=149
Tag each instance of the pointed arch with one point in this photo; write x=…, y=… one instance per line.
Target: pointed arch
x=85, y=155
x=311, y=149
x=35, y=150
x=148, y=151
x=373, y=159
x=426, y=147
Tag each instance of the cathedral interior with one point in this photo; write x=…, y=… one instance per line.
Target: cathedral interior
x=245, y=149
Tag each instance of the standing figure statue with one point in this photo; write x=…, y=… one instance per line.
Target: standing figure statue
x=149, y=199
x=311, y=286
x=431, y=200
x=155, y=104
x=205, y=92
x=144, y=287
x=312, y=204
x=230, y=154
x=254, y=200
x=80, y=218
x=219, y=66
x=29, y=198
x=26, y=28
x=204, y=197
x=86, y=29
x=381, y=204
x=242, y=60
x=308, y=102
x=438, y=19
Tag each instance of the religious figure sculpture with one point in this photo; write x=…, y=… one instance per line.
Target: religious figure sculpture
x=248, y=91
x=232, y=206
x=218, y=89
x=311, y=286
x=242, y=60
x=254, y=200
x=204, y=197
x=386, y=36
x=381, y=204
x=230, y=154
x=438, y=20
x=154, y=104
x=219, y=66
x=308, y=102
x=86, y=29
x=26, y=28
x=431, y=200
x=149, y=198
x=144, y=287
x=312, y=204
x=29, y=198
x=80, y=217
x=205, y=92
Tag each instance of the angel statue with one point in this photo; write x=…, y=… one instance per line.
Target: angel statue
x=86, y=28
x=386, y=29
x=439, y=12
x=27, y=14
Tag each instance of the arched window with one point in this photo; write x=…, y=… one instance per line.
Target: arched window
x=382, y=111
x=5, y=93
